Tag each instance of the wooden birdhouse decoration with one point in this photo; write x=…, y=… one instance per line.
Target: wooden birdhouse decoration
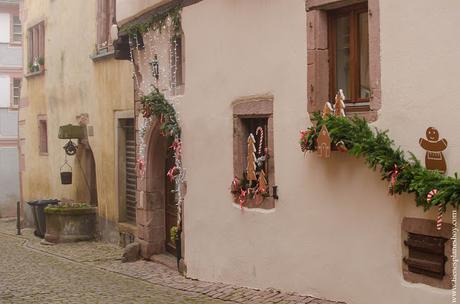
x=324, y=143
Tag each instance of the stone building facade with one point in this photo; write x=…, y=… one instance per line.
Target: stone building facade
x=72, y=78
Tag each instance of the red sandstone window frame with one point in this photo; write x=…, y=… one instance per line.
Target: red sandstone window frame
x=319, y=88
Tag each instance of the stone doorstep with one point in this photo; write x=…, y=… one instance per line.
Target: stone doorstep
x=165, y=259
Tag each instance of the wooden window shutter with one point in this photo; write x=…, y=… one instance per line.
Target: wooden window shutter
x=426, y=255
x=100, y=9
x=111, y=16
x=29, y=46
x=35, y=43
x=102, y=25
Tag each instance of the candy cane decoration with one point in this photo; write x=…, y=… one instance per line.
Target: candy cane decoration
x=394, y=175
x=439, y=219
x=259, y=129
x=242, y=198
x=429, y=197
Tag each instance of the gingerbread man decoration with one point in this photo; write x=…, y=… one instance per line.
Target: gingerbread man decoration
x=434, y=159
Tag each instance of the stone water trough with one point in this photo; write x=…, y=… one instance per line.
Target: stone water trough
x=65, y=225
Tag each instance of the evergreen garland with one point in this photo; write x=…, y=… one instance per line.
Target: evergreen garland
x=156, y=22
x=156, y=104
x=378, y=151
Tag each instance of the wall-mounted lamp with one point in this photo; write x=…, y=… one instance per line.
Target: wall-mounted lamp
x=155, y=66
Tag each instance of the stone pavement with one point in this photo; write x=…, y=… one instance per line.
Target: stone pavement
x=91, y=272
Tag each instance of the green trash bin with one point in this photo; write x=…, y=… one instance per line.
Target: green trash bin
x=38, y=210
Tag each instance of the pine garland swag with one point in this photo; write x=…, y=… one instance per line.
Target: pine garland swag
x=156, y=104
x=378, y=151
x=156, y=22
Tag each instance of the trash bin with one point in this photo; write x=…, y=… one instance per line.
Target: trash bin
x=38, y=210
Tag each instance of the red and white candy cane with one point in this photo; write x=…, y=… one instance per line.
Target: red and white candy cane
x=429, y=197
x=439, y=219
x=261, y=139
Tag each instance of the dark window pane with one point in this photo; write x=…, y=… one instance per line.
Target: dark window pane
x=343, y=54
x=364, y=89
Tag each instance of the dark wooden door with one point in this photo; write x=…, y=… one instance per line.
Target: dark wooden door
x=170, y=204
x=130, y=169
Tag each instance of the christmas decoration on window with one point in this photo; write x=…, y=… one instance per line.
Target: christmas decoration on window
x=405, y=174
x=322, y=143
x=434, y=159
x=254, y=184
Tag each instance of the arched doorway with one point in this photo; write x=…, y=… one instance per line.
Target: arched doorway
x=85, y=177
x=156, y=210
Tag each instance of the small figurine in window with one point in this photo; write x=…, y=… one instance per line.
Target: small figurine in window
x=339, y=107
x=327, y=110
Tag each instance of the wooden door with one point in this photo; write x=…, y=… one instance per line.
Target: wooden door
x=170, y=204
x=130, y=170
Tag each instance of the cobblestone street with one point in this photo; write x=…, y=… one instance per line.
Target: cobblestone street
x=30, y=276
x=91, y=272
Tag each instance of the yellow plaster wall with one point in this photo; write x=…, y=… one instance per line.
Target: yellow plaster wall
x=71, y=85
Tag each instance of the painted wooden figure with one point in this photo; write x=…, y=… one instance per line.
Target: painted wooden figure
x=327, y=110
x=434, y=159
x=339, y=107
x=263, y=184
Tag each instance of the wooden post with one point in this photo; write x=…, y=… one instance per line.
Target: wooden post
x=18, y=218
